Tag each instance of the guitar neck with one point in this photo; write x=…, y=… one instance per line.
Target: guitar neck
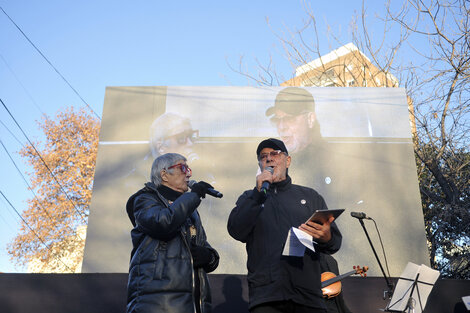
x=337, y=278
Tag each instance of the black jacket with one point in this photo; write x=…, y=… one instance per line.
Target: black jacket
x=264, y=226
x=161, y=274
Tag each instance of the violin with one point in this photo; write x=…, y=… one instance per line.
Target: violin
x=331, y=284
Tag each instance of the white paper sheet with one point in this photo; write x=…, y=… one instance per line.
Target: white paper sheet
x=425, y=283
x=466, y=301
x=296, y=242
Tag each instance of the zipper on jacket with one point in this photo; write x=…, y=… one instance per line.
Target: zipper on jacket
x=192, y=268
x=201, y=282
x=183, y=235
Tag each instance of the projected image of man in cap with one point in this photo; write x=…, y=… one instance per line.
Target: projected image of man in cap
x=293, y=114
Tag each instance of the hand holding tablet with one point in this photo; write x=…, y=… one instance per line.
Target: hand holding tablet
x=321, y=216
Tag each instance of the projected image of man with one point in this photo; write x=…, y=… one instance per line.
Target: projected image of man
x=314, y=164
x=171, y=132
x=293, y=114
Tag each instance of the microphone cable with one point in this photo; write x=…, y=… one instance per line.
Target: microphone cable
x=382, y=245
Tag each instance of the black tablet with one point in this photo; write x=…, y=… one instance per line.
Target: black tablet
x=321, y=216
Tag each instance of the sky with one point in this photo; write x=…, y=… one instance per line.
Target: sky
x=95, y=44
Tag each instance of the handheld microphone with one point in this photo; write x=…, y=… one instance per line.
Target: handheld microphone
x=360, y=215
x=265, y=185
x=210, y=191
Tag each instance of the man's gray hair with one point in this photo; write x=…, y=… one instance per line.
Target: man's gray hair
x=163, y=162
x=166, y=125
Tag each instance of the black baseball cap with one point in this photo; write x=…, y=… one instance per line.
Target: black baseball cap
x=293, y=101
x=272, y=143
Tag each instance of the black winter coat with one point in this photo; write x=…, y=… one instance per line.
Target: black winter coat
x=161, y=274
x=264, y=226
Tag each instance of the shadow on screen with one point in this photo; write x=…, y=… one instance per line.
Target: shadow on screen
x=232, y=298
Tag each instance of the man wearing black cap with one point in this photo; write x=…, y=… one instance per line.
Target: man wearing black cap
x=293, y=114
x=262, y=219
x=316, y=166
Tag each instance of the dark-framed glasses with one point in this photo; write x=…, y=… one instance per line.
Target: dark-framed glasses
x=184, y=168
x=273, y=154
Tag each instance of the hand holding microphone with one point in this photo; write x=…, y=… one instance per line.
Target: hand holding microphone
x=202, y=188
x=265, y=185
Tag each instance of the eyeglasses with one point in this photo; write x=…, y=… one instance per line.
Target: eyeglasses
x=183, y=137
x=273, y=154
x=184, y=168
x=289, y=119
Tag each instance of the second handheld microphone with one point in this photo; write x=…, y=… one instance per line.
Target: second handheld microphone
x=210, y=191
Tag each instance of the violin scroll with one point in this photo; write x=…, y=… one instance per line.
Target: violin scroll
x=361, y=270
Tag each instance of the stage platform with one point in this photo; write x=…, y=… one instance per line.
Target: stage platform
x=106, y=293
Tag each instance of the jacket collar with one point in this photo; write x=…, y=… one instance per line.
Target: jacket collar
x=168, y=193
x=283, y=184
x=152, y=188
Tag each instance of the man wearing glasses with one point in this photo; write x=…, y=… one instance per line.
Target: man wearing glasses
x=262, y=219
x=316, y=164
x=171, y=257
x=171, y=132
x=293, y=115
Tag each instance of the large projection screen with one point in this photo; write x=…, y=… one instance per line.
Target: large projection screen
x=364, y=164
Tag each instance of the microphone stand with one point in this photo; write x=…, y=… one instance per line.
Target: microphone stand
x=389, y=292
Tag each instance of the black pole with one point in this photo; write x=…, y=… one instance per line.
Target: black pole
x=410, y=305
x=389, y=284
